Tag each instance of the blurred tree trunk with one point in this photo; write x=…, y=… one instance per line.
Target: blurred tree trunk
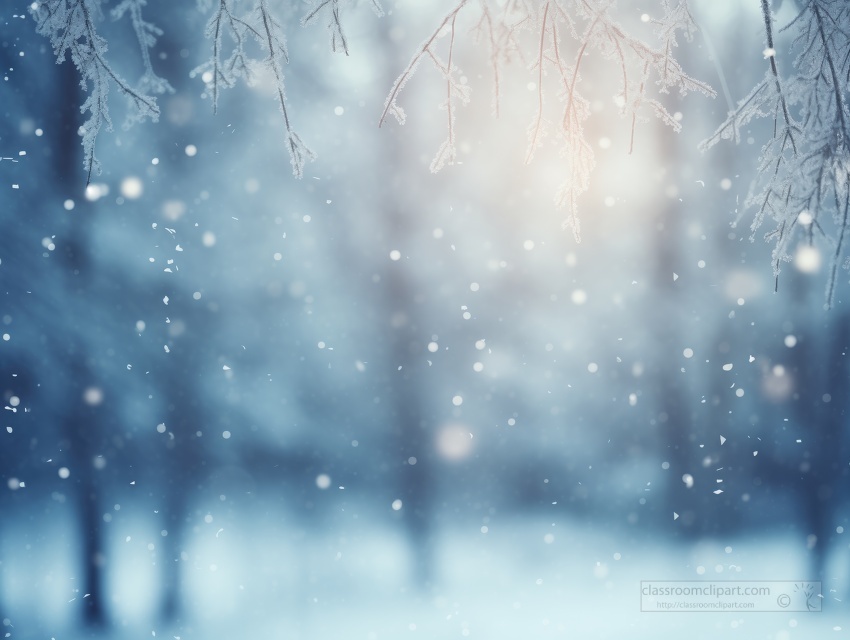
x=401, y=311
x=83, y=422
x=666, y=315
x=413, y=428
x=182, y=464
x=821, y=407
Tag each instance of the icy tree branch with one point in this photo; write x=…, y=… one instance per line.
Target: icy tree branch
x=803, y=173
x=593, y=28
x=146, y=34
x=70, y=27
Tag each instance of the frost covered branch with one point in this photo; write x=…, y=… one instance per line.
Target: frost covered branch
x=339, y=42
x=272, y=41
x=391, y=107
x=261, y=25
x=502, y=44
x=338, y=39
x=593, y=27
x=215, y=72
x=146, y=34
x=803, y=171
x=70, y=27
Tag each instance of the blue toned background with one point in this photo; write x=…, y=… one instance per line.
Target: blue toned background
x=378, y=402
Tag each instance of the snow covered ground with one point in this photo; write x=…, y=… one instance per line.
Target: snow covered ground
x=527, y=579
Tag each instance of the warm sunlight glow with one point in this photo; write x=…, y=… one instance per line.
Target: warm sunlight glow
x=807, y=259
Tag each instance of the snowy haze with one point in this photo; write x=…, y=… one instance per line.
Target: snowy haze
x=377, y=402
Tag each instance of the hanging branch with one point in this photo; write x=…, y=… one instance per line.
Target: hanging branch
x=274, y=44
x=500, y=26
x=69, y=25
x=146, y=34
x=802, y=176
x=390, y=104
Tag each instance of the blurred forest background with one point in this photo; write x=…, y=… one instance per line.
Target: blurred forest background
x=377, y=400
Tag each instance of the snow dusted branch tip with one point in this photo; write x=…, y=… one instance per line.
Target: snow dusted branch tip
x=146, y=34
x=330, y=9
x=338, y=40
x=268, y=34
x=232, y=62
x=802, y=177
x=524, y=29
x=70, y=25
x=219, y=72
